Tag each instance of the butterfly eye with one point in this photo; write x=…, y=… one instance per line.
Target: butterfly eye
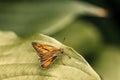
x=61, y=50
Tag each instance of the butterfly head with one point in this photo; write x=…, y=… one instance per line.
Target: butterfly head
x=61, y=50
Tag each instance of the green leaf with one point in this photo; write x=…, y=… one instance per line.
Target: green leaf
x=18, y=61
x=28, y=18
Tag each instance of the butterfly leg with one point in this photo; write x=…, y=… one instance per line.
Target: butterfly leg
x=38, y=58
x=69, y=57
x=63, y=60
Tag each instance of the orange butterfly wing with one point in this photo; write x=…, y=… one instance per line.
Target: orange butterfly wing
x=48, y=62
x=46, y=53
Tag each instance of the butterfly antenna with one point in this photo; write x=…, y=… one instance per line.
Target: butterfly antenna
x=64, y=40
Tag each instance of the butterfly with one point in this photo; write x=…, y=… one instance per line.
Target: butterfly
x=47, y=53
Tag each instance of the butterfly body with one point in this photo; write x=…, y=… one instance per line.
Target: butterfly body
x=47, y=53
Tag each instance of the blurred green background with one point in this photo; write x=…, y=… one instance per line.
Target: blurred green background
x=90, y=27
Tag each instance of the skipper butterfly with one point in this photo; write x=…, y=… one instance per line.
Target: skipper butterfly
x=47, y=53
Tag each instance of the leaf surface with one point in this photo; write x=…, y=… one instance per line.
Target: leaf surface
x=18, y=61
